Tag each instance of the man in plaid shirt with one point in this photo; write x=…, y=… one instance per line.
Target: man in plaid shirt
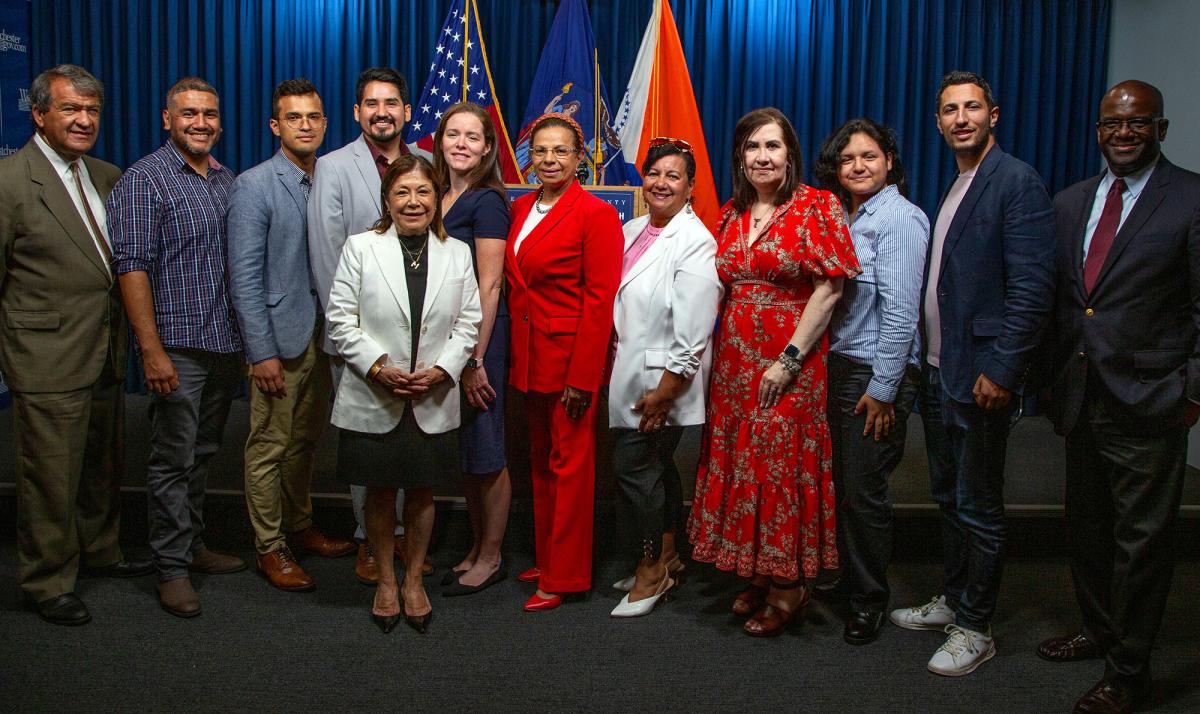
x=166, y=217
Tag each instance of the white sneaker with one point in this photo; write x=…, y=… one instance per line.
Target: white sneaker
x=933, y=615
x=962, y=652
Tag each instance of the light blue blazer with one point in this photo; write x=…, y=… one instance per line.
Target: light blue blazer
x=269, y=278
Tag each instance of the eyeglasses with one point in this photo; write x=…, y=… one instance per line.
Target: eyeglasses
x=671, y=141
x=295, y=120
x=1135, y=124
x=560, y=152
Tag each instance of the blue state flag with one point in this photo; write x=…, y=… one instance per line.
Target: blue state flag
x=567, y=81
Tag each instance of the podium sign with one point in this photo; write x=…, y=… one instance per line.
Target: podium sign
x=626, y=199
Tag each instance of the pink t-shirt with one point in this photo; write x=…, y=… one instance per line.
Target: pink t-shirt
x=933, y=320
x=638, y=247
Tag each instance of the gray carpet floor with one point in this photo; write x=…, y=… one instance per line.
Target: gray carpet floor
x=266, y=650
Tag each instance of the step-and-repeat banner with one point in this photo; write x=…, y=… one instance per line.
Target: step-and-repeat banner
x=16, y=124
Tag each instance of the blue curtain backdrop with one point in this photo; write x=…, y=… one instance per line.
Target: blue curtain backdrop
x=820, y=61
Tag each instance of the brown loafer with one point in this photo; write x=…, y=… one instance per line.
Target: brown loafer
x=214, y=563
x=311, y=540
x=1107, y=697
x=366, y=569
x=178, y=597
x=1070, y=649
x=282, y=571
x=398, y=554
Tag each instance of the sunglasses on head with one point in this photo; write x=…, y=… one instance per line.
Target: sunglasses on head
x=671, y=141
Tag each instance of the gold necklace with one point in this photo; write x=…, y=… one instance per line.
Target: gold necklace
x=769, y=211
x=414, y=258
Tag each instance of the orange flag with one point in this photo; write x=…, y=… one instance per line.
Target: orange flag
x=660, y=102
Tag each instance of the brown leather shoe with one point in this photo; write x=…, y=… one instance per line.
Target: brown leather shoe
x=398, y=554
x=311, y=540
x=1071, y=648
x=282, y=571
x=178, y=597
x=366, y=569
x=213, y=563
x=1107, y=697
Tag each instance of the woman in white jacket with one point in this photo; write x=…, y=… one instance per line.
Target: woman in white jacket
x=404, y=313
x=664, y=315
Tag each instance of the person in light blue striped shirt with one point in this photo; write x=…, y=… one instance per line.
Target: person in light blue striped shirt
x=873, y=357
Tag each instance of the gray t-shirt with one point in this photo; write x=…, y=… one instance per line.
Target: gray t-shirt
x=933, y=321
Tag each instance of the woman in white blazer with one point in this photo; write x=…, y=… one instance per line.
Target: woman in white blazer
x=663, y=320
x=404, y=314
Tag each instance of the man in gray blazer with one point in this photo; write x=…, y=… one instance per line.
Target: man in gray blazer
x=62, y=347
x=345, y=201
x=280, y=320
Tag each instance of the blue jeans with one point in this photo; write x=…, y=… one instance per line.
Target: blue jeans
x=966, y=446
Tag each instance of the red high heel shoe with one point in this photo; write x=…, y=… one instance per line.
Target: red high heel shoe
x=530, y=576
x=535, y=603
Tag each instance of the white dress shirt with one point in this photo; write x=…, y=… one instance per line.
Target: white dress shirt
x=1134, y=183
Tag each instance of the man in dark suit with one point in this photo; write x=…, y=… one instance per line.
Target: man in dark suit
x=989, y=287
x=62, y=347
x=1126, y=387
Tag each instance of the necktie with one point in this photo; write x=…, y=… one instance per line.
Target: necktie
x=1102, y=239
x=87, y=209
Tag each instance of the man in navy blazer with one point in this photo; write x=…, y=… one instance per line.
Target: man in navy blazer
x=280, y=319
x=1126, y=387
x=989, y=287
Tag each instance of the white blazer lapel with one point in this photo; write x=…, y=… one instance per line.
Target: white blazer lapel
x=655, y=252
x=386, y=248
x=439, y=263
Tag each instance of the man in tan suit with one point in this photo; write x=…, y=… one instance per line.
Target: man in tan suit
x=62, y=348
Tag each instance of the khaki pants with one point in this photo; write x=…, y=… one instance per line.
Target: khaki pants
x=69, y=464
x=282, y=445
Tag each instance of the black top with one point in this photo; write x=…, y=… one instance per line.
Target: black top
x=416, y=280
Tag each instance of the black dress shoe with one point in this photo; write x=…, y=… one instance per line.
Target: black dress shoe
x=456, y=588
x=1108, y=697
x=1070, y=649
x=121, y=569
x=863, y=627
x=66, y=609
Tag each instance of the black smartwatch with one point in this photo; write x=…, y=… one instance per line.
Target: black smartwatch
x=474, y=363
x=792, y=351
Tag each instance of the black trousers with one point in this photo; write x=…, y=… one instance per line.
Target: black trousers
x=649, y=484
x=861, y=469
x=1123, y=494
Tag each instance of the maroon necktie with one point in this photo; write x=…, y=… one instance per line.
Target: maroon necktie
x=1102, y=239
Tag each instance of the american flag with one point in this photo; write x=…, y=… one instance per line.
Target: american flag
x=460, y=72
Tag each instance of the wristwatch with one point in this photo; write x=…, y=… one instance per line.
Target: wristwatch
x=792, y=351
x=474, y=363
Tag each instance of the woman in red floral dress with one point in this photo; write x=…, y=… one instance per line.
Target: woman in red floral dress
x=764, y=504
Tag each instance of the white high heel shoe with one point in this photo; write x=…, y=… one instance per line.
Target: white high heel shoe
x=644, y=606
x=674, y=568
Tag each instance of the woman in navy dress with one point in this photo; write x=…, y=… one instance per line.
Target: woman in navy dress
x=475, y=210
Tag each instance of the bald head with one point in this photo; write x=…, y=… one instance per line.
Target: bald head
x=1135, y=88
x=1131, y=126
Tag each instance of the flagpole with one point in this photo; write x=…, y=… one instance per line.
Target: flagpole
x=466, y=47
x=598, y=154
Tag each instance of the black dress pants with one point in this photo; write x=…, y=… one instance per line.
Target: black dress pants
x=1123, y=494
x=861, y=469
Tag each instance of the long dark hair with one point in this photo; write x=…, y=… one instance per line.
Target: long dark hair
x=487, y=173
x=744, y=193
x=406, y=164
x=829, y=162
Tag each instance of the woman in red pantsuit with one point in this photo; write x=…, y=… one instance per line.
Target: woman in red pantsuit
x=764, y=504
x=563, y=265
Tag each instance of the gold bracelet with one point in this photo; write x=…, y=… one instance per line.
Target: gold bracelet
x=376, y=367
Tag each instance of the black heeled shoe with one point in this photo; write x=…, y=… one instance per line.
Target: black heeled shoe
x=450, y=576
x=420, y=623
x=385, y=623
